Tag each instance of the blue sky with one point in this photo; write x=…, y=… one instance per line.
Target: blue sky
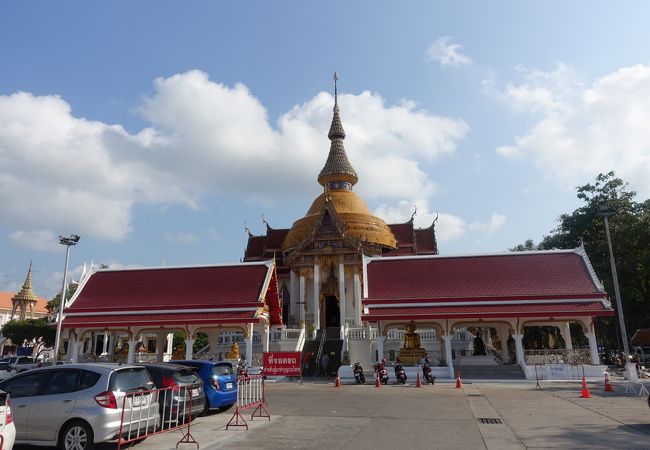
x=156, y=129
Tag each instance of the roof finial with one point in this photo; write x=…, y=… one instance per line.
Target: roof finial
x=335, y=77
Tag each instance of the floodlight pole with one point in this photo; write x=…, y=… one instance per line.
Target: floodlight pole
x=68, y=242
x=605, y=212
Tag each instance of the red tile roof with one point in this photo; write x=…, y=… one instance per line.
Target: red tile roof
x=171, y=293
x=641, y=337
x=403, y=233
x=122, y=320
x=6, y=304
x=555, y=282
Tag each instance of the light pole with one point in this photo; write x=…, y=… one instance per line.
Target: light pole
x=68, y=242
x=606, y=211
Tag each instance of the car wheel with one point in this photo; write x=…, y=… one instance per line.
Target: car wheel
x=206, y=409
x=77, y=436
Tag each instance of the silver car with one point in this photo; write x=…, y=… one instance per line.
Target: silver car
x=77, y=405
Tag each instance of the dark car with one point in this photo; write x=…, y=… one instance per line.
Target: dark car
x=183, y=383
x=219, y=381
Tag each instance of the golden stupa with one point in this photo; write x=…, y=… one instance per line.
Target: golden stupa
x=355, y=221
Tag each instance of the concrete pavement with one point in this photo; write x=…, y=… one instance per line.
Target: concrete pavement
x=316, y=415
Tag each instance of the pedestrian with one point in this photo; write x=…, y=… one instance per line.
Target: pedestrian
x=306, y=362
x=324, y=363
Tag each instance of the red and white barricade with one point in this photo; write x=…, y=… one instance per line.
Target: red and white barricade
x=250, y=394
x=149, y=412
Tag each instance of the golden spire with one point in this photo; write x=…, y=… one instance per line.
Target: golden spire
x=24, y=300
x=338, y=173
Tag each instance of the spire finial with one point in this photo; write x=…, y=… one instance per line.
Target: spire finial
x=335, y=77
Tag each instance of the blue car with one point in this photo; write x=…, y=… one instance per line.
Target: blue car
x=219, y=381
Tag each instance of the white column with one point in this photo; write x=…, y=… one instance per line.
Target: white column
x=593, y=348
x=357, y=300
x=295, y=294
x=189, y=348
x=160, y=345
x=93, y=341
x=566, y=335
x=112, y=340
x=380, y=347
x=130, y=359
x=519, y=349
x=73, y=348
x=213, y=341
x=316, y=298
x=342, y=297
x=447, y=338
x=301, y=297
x=266, y=337
x=105, y=344
x=249, y=345
x=170, y=345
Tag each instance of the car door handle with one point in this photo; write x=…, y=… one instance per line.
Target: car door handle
x=22, y=406
x=67, y=400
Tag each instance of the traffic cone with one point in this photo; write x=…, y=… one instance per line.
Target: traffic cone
x=418, y=382
x=377, y=382
x=459, y=384
x=608, y=385
x=337, y=383
x=585, y=390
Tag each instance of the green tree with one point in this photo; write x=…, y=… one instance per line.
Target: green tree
x=30, y=332
x=630, y=234
x=53, y=305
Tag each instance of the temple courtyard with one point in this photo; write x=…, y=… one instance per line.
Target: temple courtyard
x=317, y=415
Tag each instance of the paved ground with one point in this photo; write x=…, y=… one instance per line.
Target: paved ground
x=317, y=415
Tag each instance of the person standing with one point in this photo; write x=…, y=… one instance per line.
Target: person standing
x=324, y=363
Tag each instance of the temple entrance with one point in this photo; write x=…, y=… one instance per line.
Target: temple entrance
x=332, y=312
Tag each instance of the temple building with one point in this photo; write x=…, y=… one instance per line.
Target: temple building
x=342, y=282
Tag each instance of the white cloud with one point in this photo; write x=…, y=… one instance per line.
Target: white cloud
x=586, y=129
x=41, y=240
x=448, y=226
x=491, y=226
x=447, y=54
x=204, y=138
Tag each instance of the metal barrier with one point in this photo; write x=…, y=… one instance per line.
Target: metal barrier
x=149, y=412
x=250, y=394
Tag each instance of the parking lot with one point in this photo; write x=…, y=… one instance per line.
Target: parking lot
x=318, y=415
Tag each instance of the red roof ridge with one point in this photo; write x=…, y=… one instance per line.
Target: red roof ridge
x=189, y=266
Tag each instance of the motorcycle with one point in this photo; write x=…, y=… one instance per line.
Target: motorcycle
x=359, y=377
x=242, y=370
x=400, y=374
x=382, y=372
x=427, y=374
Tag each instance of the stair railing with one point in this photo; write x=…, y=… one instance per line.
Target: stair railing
x=323, y=338
x=301, y=339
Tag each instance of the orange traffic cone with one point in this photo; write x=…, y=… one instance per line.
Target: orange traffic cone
x=608, y=385
x=585, y=390
x=337, y=383
x=459, y=384
x=377, y=382
x=418, y=382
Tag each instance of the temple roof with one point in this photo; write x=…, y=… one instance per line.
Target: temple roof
x=218, y=294
x=521, y=283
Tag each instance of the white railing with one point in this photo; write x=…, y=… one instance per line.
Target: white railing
x=558, y=356
x=425, y=335
x=362, y=333
x=300, y=343
x=286, y=334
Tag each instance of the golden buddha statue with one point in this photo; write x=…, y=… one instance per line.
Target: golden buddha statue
x=411, y=351
x=180, y=352
x=234, y=351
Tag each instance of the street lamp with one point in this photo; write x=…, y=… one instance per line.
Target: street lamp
x=68, y=242
x=606, y=211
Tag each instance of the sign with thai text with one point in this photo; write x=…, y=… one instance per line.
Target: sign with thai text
x=281, y=364
x=558, y=371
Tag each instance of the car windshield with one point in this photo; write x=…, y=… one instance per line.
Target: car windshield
x=130, y=379
x=222, y=369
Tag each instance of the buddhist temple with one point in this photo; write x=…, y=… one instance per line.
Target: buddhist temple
x=342, y=282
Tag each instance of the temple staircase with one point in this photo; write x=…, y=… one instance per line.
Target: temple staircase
x=328, y=341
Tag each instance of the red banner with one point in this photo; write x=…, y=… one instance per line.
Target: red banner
x=281, y=364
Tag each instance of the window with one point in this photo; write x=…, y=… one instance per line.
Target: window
x=222, y=369
x=25, y=385
x=88, y=379
x=61, y=382
x=130, y=379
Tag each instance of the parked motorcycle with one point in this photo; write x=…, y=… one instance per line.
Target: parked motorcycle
x=400, y=374
x=382, y=372
x=242, y=370
x=359, y=377
x=427, y=373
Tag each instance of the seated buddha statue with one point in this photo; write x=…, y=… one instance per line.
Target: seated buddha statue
x=411, y=339
x=234, y=351
x=411, y=351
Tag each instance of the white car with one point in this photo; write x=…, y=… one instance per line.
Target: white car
x=7, y=427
